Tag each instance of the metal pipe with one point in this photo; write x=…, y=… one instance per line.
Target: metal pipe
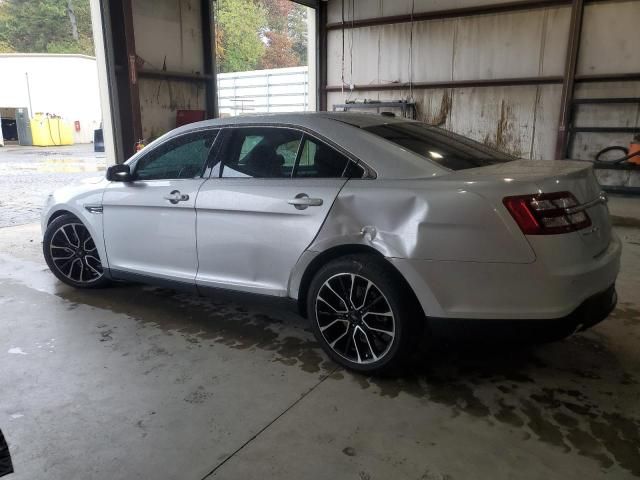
x=209, y=58
x=26, y=75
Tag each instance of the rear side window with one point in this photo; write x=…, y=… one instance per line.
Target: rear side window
x=318, y=160
x=452, y=151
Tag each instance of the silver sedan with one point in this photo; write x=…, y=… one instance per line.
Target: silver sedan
x=375, y=226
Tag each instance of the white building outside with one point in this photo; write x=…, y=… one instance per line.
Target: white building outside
x=60, y=84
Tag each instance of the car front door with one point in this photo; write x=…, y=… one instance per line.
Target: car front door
x=150, y=222
x=263, y=205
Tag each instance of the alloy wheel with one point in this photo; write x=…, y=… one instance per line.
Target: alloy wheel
x=355, y=318
x=74, y=254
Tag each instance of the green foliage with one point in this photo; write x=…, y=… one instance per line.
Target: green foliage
x=253, y=34
x=44, y=26
x=250, y=34
x=297, y=31
x=240, y=23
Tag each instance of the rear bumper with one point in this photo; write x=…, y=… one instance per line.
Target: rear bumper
x=591, y=312
x=494, y=291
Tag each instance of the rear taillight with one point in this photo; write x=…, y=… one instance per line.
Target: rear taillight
x=547, y=213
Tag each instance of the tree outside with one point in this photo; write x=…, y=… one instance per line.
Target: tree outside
x=260, y=34
x=45, y=26
x=250, y=34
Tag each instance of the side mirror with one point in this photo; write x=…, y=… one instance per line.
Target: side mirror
x=119, y=173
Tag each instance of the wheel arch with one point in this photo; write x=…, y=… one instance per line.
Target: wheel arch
x=336, y=252
x=60, y=213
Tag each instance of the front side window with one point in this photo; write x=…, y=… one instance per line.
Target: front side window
x=180, y=158
x=452, y=151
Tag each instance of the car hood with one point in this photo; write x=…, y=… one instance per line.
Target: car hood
x=83, y=187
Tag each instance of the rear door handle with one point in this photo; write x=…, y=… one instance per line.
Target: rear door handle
x=175, y=197
x=302, y=201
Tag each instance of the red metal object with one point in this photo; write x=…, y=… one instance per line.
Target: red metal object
x=183, y=117
x=634, y=150
x=139, y=145
x=76, y=124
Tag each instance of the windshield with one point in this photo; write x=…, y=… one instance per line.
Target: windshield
x=450, y=150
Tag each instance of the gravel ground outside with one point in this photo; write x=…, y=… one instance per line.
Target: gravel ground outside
x=29, y=174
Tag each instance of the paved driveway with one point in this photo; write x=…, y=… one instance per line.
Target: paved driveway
x=28, y=174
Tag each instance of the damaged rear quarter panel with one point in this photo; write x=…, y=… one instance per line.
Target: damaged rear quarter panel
x=421, y=219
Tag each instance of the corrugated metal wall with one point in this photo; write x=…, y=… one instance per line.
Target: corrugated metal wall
x=529, y=43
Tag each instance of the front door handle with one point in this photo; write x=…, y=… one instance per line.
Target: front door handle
x=175, y=197
x=302, y=201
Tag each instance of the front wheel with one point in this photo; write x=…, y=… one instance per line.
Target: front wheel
x=71, y=253
x=362, y=314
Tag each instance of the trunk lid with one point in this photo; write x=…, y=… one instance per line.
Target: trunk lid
x=524, y=177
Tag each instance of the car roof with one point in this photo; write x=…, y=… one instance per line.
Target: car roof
x=305, y=119
x=342, y=129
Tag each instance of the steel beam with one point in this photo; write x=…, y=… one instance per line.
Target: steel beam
x=132, y=71
x=321, y=56
x=568, y=83
x=449, y=13
x=209, y=59
x=495, y=82
x=608, y=77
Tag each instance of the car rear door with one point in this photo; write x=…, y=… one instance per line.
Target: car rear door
x=150, y=223
x=265, y=203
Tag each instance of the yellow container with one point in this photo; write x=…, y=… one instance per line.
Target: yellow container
x=50, y=131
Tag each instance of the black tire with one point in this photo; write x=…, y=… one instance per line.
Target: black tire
x=367, y=320
x=78, y=255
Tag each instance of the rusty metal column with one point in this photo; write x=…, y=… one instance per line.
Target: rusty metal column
x=132, y=68
x=209, y=60
x=568, y=84
x=321, y=55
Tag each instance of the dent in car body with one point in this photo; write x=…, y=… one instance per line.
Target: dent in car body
x=420, y=219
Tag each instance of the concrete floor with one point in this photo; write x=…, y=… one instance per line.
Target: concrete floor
x=136, y=382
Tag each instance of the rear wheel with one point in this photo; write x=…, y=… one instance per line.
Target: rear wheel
x=361, y=314
x=71, y=253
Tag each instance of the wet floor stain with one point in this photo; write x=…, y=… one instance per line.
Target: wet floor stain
x=349, y=451
x=569, y=395
x=203, y=321
x=628, y=313
x=509, y=388
x=198, y=396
